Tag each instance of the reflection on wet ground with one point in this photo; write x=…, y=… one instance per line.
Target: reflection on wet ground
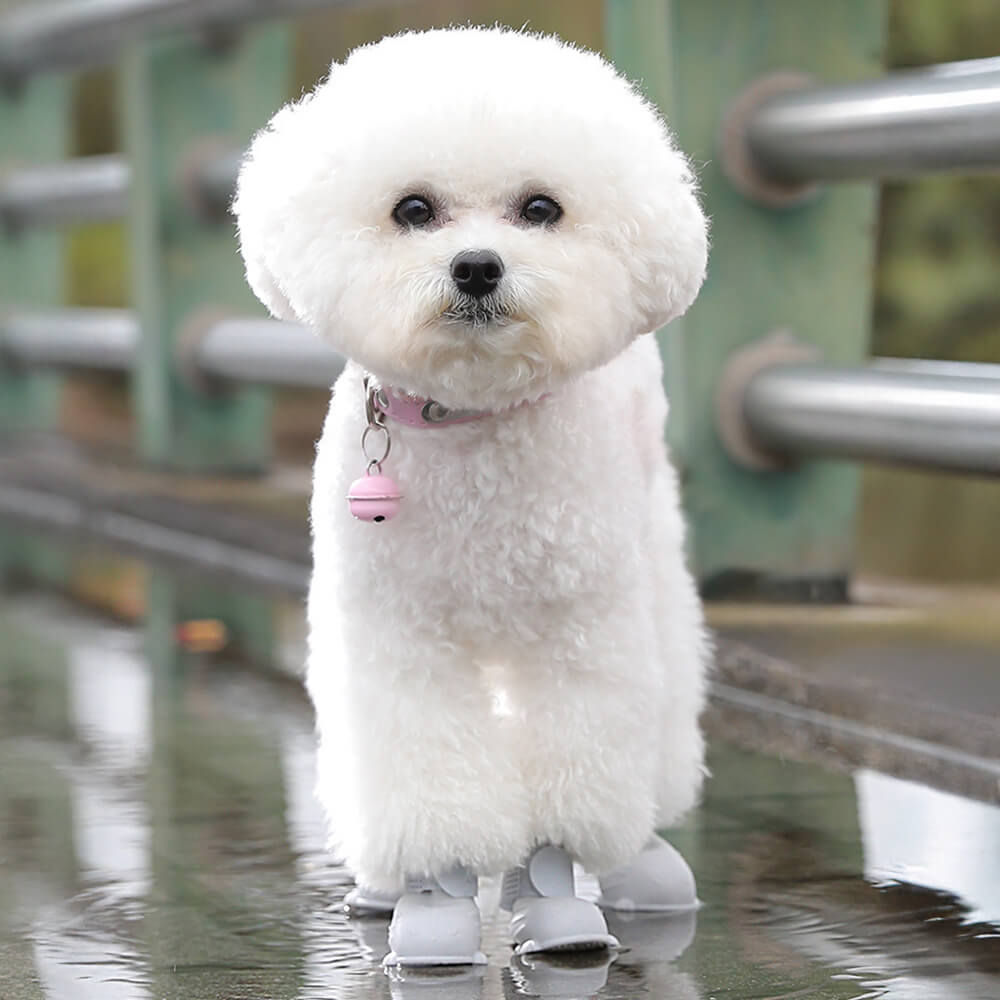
x=159, y=840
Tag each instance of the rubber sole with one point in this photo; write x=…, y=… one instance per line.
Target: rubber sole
x=572, y=942
x=426, y=961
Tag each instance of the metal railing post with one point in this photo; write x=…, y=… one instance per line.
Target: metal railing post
x=183, y=103
x=805, y=267
x=33, y=129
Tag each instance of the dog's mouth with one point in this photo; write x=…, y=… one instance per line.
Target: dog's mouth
x=476, y=313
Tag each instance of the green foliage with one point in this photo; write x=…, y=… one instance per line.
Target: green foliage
x=330, y=35
x=936, y=290
x=929, y=31
x=938, y=295
x=96, y=255
x=98, y=268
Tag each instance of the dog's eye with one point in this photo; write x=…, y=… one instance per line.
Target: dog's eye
x=540, y=211
x=413, y=212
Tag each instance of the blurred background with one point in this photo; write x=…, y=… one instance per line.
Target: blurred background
x=158, y=835
x=937, y=293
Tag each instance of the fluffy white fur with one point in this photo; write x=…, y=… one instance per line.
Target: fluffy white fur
x=518, y=657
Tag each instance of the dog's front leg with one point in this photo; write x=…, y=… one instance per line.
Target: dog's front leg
x=589, y=705
x=588, y=699
x=417, y=771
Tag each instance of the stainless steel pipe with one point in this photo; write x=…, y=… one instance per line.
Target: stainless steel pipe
x=233, y=349
x=106, y=339
x=214, y=182
x=95, y=189
x=946, y=117
x=59, y=33
x=264, y=351
x=943, y=415
x=89, y=189
x=943, y=418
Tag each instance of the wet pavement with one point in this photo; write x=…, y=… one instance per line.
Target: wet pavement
x=159, y=840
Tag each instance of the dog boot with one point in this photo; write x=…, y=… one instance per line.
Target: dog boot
x=362, y=901
x=657, y=881
x=546, y=914
x=436, y=922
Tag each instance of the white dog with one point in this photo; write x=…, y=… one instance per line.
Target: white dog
x=508, y=673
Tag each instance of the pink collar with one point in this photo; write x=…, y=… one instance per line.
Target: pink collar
x=416, y=411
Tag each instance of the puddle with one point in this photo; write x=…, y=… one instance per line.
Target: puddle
x=159, y=841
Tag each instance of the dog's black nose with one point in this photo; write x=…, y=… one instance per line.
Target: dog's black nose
x=477, y=272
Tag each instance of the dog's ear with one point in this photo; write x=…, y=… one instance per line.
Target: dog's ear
x=265, y=287
x=261, y=205
x=663, y=229
x=673, y=243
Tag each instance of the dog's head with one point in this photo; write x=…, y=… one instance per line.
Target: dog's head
x=473, y=215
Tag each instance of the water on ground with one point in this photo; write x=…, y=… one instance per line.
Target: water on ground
x=159, y=841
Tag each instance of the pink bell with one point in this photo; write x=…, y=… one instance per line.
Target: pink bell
x=374, y=498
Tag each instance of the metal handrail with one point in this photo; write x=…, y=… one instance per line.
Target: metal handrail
x=235, y=349
x=88, y=189
x=95, y=188
x=102, y=339
x=63, y=33
x=213, y=181
x=266, y=352
x=944, y=117
x=943, y=415
x=932, y=414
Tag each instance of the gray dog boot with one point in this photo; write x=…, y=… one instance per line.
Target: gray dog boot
x=546, y=914
x=657, y=881
x=436, y=922
x=363, y=902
